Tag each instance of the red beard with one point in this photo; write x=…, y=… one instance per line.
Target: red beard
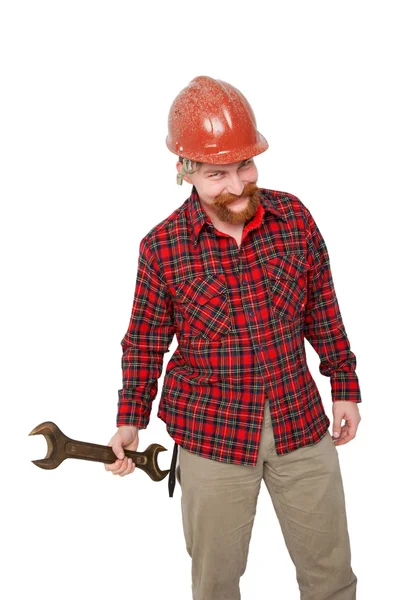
x=221, y=205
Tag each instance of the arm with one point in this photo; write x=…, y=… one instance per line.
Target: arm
x=323, y=325
x=149, y=335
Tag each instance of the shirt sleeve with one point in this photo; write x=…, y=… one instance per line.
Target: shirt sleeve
x=323, y=325
x=149, y=335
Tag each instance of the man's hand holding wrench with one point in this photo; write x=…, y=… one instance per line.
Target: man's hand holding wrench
x=127, y=437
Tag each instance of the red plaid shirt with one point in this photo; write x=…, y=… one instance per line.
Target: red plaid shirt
x=240, y=315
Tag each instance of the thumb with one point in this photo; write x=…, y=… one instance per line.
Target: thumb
x=337, y=428
x=117, y=449
x=352, y=429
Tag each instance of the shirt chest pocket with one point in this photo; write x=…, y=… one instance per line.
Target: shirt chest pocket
x=286, y=276
x=205, y=307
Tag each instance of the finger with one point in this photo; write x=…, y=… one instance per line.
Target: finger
x=347, y=437
x=127, y=470
x=336, y=429
x=113, y=466
x=125, y=467
x=131, y=467
x=352, y=430
x=342, y=441
x=121, y=469
x=344, y=431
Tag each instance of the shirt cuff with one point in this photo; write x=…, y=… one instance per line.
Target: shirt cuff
x=132, y=411
x=345, y=386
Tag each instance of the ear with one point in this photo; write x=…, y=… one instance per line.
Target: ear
x=186, y=177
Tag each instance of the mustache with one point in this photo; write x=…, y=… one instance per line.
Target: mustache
x=250, y=189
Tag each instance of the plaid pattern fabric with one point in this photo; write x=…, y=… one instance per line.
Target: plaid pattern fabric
x=240, y=315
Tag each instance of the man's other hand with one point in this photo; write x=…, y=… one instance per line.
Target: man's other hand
x=347, y=410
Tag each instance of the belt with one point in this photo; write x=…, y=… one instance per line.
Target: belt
x=171, y=478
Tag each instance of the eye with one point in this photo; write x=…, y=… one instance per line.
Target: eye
x=247, y=164
x=214, y=174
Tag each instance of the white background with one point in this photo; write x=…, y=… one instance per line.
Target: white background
x=85, y=174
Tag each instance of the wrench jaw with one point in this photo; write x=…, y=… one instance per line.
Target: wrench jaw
x=46, y=463
x=155, y=472
x=53, y=458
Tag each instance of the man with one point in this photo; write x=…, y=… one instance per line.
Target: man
x=241, y=275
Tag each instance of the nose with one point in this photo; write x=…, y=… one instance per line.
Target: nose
x=235, y=185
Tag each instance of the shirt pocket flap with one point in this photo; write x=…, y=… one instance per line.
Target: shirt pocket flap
x=200, y=289
x=286, y=266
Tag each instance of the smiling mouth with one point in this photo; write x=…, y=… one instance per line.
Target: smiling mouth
x=237, y=201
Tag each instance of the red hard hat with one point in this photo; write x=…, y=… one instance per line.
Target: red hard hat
x=211, y=121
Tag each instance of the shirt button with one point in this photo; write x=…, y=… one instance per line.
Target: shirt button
x=251, y=313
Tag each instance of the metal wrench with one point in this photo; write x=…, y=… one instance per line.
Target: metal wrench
x=60, y=447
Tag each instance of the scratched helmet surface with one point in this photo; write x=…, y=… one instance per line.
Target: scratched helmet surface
x=211, y=121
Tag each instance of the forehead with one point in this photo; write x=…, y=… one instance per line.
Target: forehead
x=209, y=168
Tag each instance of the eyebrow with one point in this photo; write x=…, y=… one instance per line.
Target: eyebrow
x=215, y=170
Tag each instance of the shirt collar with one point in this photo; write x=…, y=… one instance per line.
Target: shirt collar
x=198, y=217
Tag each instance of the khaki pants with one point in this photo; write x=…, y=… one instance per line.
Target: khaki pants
x=219, y=503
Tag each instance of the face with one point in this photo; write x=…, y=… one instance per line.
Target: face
x=227, y=191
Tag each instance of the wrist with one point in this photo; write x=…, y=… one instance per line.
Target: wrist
x=132, y=427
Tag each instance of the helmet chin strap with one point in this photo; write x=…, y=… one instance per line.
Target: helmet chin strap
x=186, y=169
